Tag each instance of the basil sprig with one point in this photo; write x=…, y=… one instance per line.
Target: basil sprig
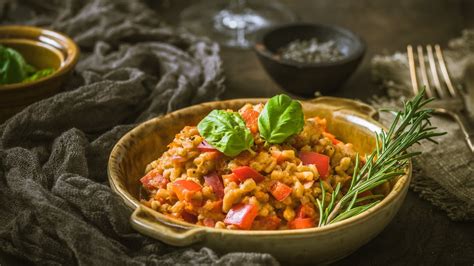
x=281, y=117
x=226, y=131
x=14, y=68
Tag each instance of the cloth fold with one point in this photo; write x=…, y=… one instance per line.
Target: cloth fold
x=56, y=205
x=444, y=174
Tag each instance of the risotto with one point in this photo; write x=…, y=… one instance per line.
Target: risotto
x=266, y=187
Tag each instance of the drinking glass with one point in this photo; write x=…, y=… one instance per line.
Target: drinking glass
x=234, y=23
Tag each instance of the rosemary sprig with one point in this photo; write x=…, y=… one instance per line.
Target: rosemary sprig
x=388, y=160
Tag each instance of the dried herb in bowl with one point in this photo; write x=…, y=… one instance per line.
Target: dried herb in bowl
x=311, y=51
x=15, y=69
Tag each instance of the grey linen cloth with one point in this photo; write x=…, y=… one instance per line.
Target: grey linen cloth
x=56, y=206
x=444, y=174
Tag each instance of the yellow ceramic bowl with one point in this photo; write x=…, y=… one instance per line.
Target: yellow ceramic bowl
x=349, y=120
x=41, y=48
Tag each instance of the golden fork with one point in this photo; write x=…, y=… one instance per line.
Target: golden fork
x=448, y=100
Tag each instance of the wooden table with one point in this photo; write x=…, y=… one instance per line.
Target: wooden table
x=420, y=234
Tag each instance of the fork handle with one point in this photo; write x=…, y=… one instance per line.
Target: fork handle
x=467, y=128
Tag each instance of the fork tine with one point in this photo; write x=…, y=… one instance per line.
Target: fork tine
x=424, y=74
x=411, y=64
x=444, y=71
x=434, y=72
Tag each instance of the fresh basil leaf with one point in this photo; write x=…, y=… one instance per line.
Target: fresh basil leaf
x=13, y=67
x=226, y=131
x=281, y=117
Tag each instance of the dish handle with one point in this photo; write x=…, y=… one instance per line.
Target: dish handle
x=148, y=223
x=337, y=104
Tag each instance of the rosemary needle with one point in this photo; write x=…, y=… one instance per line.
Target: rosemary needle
x=387, y=161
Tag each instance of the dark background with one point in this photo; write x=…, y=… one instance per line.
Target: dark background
x=420, y=234
x=385, y=25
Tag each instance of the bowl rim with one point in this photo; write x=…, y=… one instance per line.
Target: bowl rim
x=396, y=192
x=69, y=45
x=261, y=49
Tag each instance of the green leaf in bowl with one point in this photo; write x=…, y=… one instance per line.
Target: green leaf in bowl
x=281, y=118
x=226, y=131
x=39, y=74
x=13, y=67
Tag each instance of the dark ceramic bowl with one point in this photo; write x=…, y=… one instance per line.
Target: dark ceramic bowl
x=304, y=79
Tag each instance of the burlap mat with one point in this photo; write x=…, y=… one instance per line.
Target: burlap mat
x=444, y=174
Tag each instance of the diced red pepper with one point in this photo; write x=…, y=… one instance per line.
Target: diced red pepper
x=242, y=215
x=301, y=223
x=205, y=147
x=231, y=177
x=320, y=160
x=184, y=189
x=189, y=217
x=215, y=182
x=244, y=172
x=331, y=137
x=280, y=191
x=305, y=211
x=250, y=117
x=153, y=180
x=209, y=222
x=266, y=223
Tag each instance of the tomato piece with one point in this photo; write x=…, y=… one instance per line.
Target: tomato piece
x=301, y=223
x=153, y=180
x=250, y=117
x=215, y=182
x=266, y=223
x=331, y=137
x=231, y=177
x=320, y=160
x=189, y=217
x=244, y=172
x=184, y=189
x=209, y=222
x=280, y=191
x=305, y=211
x=242, y=215
x=205, y=147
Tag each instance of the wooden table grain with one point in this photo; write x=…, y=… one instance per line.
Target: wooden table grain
x=420, y=234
